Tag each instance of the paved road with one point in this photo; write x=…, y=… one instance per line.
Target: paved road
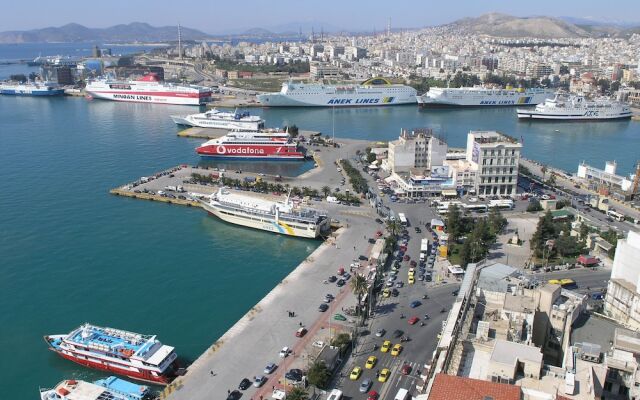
x=587, y=280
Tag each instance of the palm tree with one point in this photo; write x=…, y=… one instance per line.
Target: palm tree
x=326, y=190
x=359, y=287
x=298, y=393
x=393, y=226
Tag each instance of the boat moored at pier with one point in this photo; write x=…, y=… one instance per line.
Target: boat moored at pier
x=137, y=356
x=255, y=212
x=221, y=120
x=480, y=96
x=110, y=388
x=148, y=89
x=38, y=89
x=260, y=145
x=373, y=92
x=566, y=107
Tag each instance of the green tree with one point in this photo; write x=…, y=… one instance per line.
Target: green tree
x=319, y=375
x=564, y=70
x=326, y=190
x=359, y=287
x=297, y=393
x=552, y=180
x=454, y=223
x=534, y=206
x=611, y=236
x=545, y=230
x=497, y=222
x=393, y=226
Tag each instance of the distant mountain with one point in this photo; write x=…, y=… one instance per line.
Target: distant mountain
x=135, y=31
x=503, y=25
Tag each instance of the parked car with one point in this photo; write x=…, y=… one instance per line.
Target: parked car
x=406, y=369
x=269, y=368
x=284, y=352
x=244, y=384
x=413, y=320
x=259, y=381
x=380, y=332
x=294, y=374
x=415, y=303
x=301, y=332
x=323, y=307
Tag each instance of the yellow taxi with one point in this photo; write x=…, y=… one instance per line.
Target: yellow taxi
x=386, y=293
x=385, y=346
x=411, y=280
x=355, y=373
x=384, y=375
x=371, y=362
x=396, y=349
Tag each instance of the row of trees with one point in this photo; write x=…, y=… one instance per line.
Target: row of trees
x=296, y=67
x=358, y=182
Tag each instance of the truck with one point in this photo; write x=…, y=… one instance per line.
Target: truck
x=332, y=199
x=403, y=394
x=403, y=219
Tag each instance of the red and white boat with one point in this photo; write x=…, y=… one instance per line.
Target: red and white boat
x=148, y=89
x=137, y=356
x=254, y=145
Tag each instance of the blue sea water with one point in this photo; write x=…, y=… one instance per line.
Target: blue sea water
x=70, y=252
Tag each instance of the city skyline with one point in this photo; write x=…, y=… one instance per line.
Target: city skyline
x=287, y=15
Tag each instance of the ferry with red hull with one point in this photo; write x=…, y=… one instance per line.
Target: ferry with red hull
x=148, y=89
x=137, y=356
x=253, y=145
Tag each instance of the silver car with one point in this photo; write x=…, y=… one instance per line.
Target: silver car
x=365, y=385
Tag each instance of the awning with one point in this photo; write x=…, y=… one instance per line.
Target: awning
x=456, y=269
x=449, y=192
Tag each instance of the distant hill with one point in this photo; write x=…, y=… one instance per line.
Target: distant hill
x=135, y=31
x=503, y=25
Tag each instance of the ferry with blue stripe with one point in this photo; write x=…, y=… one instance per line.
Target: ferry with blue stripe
x=110, y=388
x=131, y=354
x=30, y=89
x=256, y=212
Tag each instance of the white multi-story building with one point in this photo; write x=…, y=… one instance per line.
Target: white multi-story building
x=496, y=157
x=622, y=302
x=416, y=149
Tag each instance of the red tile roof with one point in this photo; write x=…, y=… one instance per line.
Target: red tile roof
x=448, y=387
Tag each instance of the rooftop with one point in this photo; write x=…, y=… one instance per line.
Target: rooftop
x=505, y=352
x=488, y=137
x=448, y=387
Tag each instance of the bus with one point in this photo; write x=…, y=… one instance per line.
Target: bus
x=335, y=395
x=476, y=207
x=403, y=219
x=442, y=207
x=565, y=283
x=506, y=203
x=615, y=215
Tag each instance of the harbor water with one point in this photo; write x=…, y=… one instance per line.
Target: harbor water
x=72, y=253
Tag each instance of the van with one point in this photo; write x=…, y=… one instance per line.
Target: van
x=403, y=394
x=335, y=395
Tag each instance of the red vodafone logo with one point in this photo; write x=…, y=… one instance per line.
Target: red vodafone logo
x=221, y=149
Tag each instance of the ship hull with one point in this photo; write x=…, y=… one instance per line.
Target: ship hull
x=334, y=100
x=253, y=152
x=203, y=123
x=526, y=115
x=35, y=93
x=150, y=97
x=103, y=366
x=264, y=225
x=520, y=100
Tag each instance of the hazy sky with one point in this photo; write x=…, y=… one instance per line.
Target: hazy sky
x=215, y=16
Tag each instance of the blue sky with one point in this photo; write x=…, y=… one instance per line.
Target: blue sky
x=215, y=16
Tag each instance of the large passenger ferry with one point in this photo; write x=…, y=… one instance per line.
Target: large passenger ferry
x=373, y=92
x=254, y=145
x=110, y=388
x=148, y=89
x=221, y=120
x=574, y=107
x=280, y=217
x=30, y=89
x=138, y=356
x=480, y=96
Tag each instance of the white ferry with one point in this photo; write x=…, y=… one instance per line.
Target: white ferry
x=138, y=356
x=110, y=388
x=373, y=92
x=31, y=89
x=148, y=89
x=573, y=107
x=481, y=96
x=221, y=120
x=280, y=217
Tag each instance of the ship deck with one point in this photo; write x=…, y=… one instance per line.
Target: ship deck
x=108, y=339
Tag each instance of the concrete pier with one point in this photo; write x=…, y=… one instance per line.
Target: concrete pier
x=255, y=340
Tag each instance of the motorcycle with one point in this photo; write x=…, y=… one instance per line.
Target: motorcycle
x=425, y=297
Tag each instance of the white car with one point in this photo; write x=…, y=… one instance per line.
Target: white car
x=284, y=352
x=473, y=199
x=318, y=343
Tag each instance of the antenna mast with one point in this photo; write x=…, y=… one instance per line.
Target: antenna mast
x=179, y=42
